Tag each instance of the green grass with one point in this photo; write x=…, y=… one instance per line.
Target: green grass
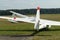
x=7, y=28
x=55, y=17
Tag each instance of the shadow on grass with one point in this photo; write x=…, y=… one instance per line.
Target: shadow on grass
x=34, y=30
x=32, y=34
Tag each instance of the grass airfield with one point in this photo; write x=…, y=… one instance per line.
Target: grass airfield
x=27, y=29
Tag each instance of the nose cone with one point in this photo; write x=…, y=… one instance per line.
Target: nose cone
x=38, y=8
x=14, y=18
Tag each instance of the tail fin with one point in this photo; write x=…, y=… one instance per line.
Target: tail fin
x=36, y=26
x=13, y=20
x=13, y=15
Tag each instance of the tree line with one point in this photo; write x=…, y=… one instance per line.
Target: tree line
x=31, y=11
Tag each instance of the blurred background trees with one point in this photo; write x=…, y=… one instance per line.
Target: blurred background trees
x=31, y=11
